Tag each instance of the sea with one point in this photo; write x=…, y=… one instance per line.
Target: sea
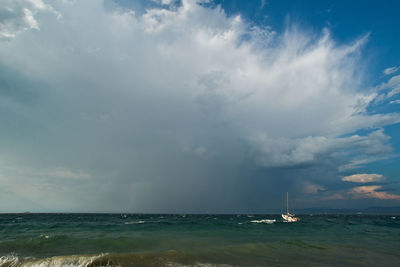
x=198, y=240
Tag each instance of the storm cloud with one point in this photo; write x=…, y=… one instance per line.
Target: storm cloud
x=177, y=108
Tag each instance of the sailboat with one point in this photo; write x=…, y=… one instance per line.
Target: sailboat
x=289, y=217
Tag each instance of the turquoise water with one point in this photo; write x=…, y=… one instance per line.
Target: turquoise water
x=198, y=240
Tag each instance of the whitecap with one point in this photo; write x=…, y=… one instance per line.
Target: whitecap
x=197, y=264
x=264, y=221
x=135, y=222
x=9, y=260
x=59, y=261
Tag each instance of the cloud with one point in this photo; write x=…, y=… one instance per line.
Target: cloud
x=357, y=163
x=364, y=192
x=169, y=105
x=363, y=178
x=38, y=174
x=371, y=192
x=392, y=87
x=391, y=70
x=263, y=3
x=65, y=174
x=164, y=2
x=395, y=101
x=309, y=188
x=298, y=151
x=360, y=192
x=19, y=15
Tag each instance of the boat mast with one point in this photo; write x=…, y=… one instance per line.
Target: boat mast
x=287, y=202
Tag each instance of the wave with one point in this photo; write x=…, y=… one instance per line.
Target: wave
x=8, y=260
x=167, y=259
x=57, y=261
x=264, y=221
x=135, y=222
x=45, y=236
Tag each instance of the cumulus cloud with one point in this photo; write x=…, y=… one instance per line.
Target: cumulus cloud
x=19, y=15
x=372, y=192
x=391, y=70
x=185, y=96
x=297, y=151
x=362, y=192
x=365, y=192
x=363, y=178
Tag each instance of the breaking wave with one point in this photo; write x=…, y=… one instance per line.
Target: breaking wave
x=264, y=221
x=135, y=222
x=57, y=261
x=109, y=260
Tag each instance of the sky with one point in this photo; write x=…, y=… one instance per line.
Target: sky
x=198, y=106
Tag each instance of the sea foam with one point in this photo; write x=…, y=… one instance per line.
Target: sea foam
x=9, y=260
x=135, y=222
x=264, y=221
x=57, y=261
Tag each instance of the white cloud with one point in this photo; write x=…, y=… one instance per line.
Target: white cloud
x=362, y=192
x=188, y=75
x=297, y=151
x=164, y=2
x=392, y=83
x=395, y=101
x=291, y=101
x=371, y=192
x=391, y=70
x=357, y=163
x=365, y=191
x=39, y=4
x=363, y=178
x=30, y=20
x=19, y=15
x=392, y=87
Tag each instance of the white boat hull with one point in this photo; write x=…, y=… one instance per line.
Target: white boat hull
x=289, y=218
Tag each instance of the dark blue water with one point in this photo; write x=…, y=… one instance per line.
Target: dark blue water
x=198, y=240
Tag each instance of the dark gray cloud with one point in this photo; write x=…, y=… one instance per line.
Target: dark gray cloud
x=170, y=110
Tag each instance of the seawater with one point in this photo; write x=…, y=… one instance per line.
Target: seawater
x=198, y=240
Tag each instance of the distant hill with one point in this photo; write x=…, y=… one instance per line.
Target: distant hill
x=384, y=210
x=369, y=210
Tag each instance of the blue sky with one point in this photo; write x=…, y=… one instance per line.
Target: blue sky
x=198, y=106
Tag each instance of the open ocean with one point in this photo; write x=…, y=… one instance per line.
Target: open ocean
x=198, y=240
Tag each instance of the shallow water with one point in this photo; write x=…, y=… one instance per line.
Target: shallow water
x=198, y=240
